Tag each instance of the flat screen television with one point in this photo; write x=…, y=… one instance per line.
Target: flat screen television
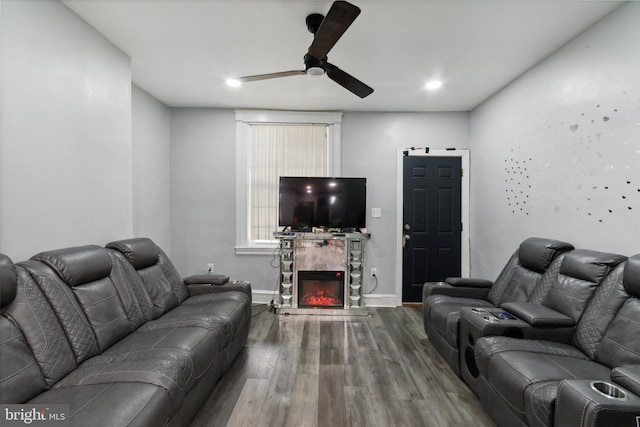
x=336, y=203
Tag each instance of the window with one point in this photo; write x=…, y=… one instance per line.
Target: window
x=269, y=145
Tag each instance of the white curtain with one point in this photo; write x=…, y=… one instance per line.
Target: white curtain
x=280, y=150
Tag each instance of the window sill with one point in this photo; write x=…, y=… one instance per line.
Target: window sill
x=256, y=250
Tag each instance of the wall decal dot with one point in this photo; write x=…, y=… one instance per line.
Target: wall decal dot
x=605, y=118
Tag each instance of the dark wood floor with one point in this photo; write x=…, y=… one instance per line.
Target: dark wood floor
x=332, y=371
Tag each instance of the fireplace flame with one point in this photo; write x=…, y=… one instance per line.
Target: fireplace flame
x=320, y=297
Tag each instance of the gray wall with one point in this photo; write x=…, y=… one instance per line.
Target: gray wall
x=65, y=136
x=151, y=164
x=370, y=143
x=203, y=185
x=557, y=152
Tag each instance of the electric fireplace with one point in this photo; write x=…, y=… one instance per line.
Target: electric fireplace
x=322, y=289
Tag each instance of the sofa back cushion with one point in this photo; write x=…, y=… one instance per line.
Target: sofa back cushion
x=86, y=270
x=524, y=270
x=34, y=349
x=580, y=273
x=621, y=343
x=161, y=280
x=20, y=376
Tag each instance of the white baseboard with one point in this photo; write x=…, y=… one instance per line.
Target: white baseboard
x=370, y=300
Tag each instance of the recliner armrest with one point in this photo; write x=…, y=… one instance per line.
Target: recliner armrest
x=442, y=288
x=467, y=282
x=538, y=315
x=579, y=403
x=627, y=377
x=206, y=279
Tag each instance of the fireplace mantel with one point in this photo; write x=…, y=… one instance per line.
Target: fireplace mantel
x=342, y=252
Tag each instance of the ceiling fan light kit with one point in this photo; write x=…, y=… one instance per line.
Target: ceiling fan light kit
x=327, y=31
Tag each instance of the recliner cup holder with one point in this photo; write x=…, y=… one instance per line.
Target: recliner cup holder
x=478, y=310
x=491, y=319
x=609, y=390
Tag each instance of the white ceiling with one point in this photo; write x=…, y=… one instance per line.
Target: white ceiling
x=183, y=50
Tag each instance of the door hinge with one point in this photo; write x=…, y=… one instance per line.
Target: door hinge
x=462, y=226
x=461, y=172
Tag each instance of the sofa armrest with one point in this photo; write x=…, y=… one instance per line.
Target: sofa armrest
x=466, y=282
x=459, y=289
x=582, y=403
x=628, y=377
x=538, y=315
x=206, y=279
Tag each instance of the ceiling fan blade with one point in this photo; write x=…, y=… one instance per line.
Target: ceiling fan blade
x=270, y=76
x=347, y=81
x=338, y=19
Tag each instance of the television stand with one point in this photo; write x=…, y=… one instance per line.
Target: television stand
x=341, y=255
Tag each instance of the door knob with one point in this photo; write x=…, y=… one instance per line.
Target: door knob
x=405, y=238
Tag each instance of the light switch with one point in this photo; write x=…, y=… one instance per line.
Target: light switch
x=376, y=213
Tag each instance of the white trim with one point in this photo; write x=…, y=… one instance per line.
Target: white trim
x=244, y=118
x=379, y=300
x=464, y=196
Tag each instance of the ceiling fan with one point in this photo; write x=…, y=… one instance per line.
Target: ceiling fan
x=327, y=31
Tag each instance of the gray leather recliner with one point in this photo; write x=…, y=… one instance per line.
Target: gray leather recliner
x=527, y=276
x=591, y=380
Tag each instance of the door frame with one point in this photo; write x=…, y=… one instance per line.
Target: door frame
x=464, y=208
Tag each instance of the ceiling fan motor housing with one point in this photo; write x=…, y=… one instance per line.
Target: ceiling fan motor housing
x=313, y=66
x=313, y=22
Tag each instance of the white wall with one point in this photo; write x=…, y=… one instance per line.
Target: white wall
x=151, y=164
x=65, y=136
x=557, y=153
x=203, y=185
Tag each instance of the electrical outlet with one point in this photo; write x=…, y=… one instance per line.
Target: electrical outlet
x=374, y=272
x=210, y=268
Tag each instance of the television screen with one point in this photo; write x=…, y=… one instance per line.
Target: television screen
x=322, y=202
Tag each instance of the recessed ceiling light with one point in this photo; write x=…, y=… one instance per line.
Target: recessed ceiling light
x=433, y=85
x=234, y=82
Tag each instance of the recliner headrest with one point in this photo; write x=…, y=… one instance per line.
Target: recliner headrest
x=631, y=276
x=536, y=253
x=8, y=281
x=140, y=252
x=588, y=265
x=78, y=265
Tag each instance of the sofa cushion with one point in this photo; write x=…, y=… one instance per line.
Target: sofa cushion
x=96, y=294
x=632, y=276
x=201, y=345
x=140, y=252
x=580, y=273
x=536, y=253
x=41, y=327
x=171, y=369
x=20, y=376
x=117, y=404
x=77, y=265
x=8, y=281
x=511, y=373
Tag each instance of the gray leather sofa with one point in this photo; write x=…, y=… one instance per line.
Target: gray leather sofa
x=567, y=355
x=592, y=379
x=527, y=276
x=116, y=334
